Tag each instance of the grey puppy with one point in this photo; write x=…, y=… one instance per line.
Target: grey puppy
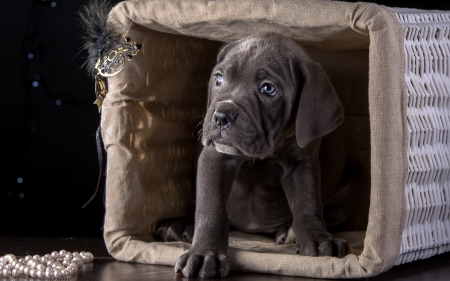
x=269, y=104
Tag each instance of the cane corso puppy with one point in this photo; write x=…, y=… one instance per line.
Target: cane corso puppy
x=269, y=105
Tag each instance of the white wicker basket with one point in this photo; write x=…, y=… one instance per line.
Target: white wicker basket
x=427, y=77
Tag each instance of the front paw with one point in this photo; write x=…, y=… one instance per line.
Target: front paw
x=323, y=247
x=202, y=265
x=177, y=229
x=285, y=234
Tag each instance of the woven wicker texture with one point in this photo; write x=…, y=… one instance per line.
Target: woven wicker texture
x=427, y=75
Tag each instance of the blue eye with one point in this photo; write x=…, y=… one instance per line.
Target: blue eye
x=268, y=89
x=219, y=79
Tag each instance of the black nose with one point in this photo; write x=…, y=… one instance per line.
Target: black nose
x=223, y=119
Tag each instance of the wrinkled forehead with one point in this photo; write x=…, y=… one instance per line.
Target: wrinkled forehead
x=253, y=55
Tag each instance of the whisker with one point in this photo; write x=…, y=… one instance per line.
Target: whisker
x=200, y=134
x=196, y=126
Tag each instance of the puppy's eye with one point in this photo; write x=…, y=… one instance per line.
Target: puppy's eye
x=219, y=79
x=268, y=89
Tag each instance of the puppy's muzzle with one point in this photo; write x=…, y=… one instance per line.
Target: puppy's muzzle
x=223, y=118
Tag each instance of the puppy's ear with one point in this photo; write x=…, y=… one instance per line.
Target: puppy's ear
x=320, y=110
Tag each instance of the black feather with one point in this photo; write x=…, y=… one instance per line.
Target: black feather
x=98, y=35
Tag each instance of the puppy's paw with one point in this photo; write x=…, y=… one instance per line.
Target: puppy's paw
x=178, y=229
x=285, y=234
x=203, y=266
x=323, y=247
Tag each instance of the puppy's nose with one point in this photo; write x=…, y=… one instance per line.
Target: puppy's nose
x=223, y=119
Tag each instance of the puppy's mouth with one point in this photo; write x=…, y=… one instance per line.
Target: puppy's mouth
x=225, y=148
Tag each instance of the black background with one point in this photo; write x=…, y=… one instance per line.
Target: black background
x=49, y=165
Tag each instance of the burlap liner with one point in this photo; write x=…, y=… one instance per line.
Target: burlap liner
x=154, y=104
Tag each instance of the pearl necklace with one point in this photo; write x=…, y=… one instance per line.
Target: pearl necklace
x=54, y=265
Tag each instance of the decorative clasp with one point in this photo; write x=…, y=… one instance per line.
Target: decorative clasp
x=111, y=64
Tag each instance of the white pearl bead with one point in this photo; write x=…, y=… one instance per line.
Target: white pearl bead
x=68, y=256
x=56, y=274
x=1, y=259
x=75, y=254
x=10, y=257
x=36, y=257
x=26, y=270
x=74, y=269
x=15, y=273
x=32, y=272
x=21, y=268
x=50, y=263
x=44, y=259
x=6, y=272
x=69, y=271
x=82, y=253
x=40, y=274
x=90, y=256
x=55, y=264
x=48, y=274
x=27, y=258
x=55, y=254
x=62, y=253
x=64, y=273
x=40, y=267
x=78, y=261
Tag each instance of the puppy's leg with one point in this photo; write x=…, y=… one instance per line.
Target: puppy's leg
x=207, y=257
x=301, y=186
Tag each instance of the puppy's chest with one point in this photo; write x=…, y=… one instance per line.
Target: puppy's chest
x=257, y=201
x=265, y=172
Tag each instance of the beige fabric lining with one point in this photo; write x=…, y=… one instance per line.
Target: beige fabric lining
x=153, y=106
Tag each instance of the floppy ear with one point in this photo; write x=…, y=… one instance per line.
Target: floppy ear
x=320, y=110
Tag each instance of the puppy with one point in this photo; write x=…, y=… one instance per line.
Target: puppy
x=269, y=104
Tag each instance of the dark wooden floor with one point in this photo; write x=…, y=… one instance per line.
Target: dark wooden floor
x=105, y=268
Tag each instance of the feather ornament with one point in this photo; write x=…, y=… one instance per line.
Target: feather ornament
x=98, y=35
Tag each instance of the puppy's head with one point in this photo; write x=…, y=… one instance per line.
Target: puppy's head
x=263, y=90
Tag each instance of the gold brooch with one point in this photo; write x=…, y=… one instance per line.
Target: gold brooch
x=111, y=64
